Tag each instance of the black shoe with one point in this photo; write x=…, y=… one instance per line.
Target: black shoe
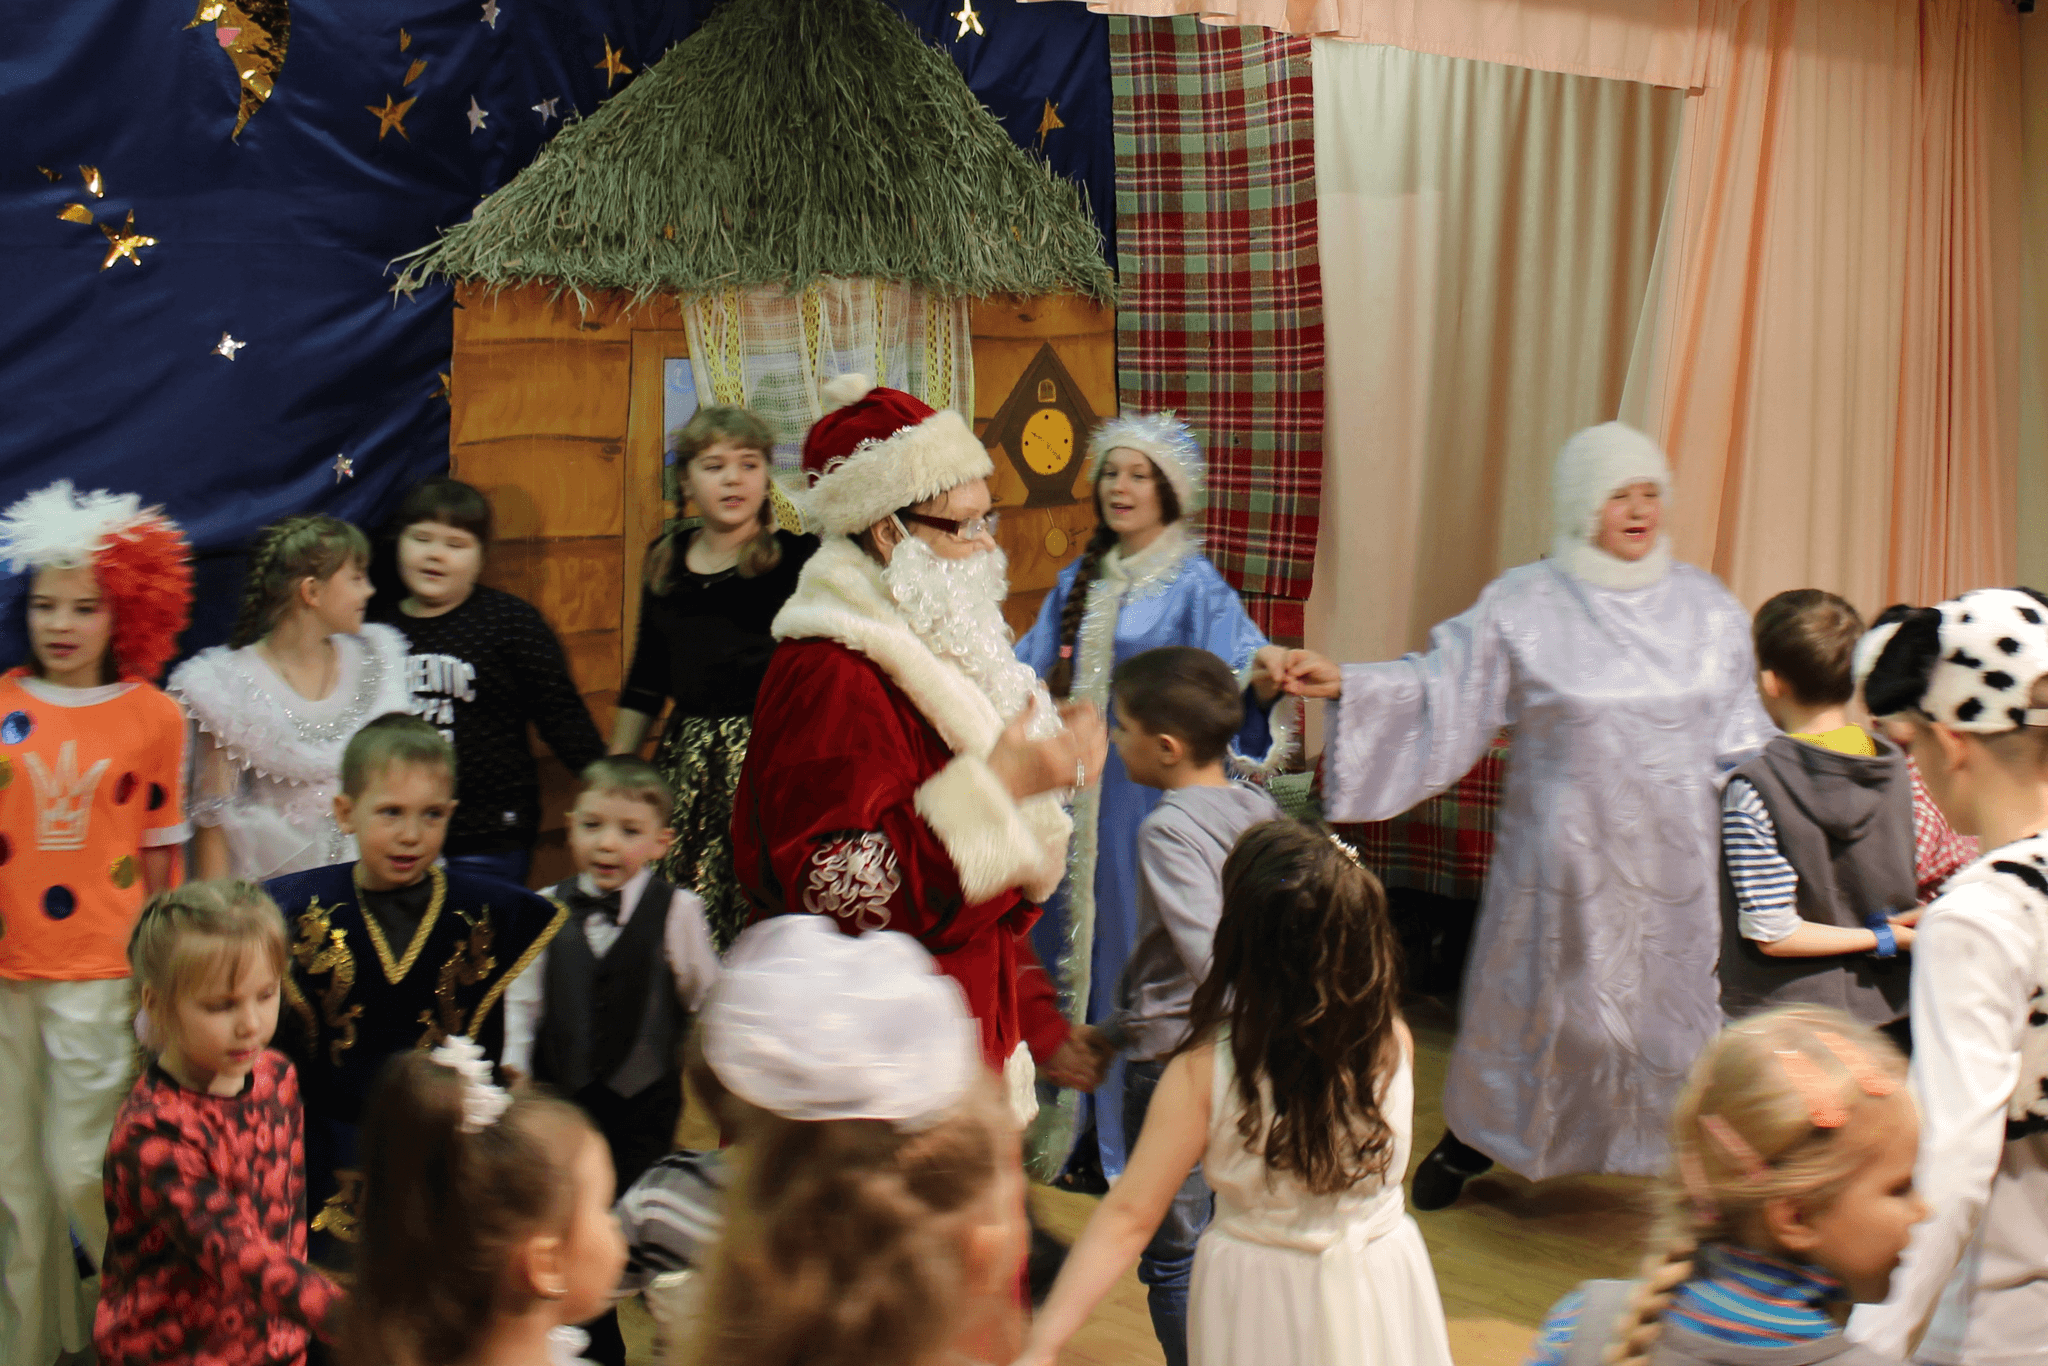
x=1083, y=1173
x=1441, y=1177
x=1042, y=1268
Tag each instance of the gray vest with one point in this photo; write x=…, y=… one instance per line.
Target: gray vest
x=1845, y=824
x=1678, y=1345
x=613, y=1020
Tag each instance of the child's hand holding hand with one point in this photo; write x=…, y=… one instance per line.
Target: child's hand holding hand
x=1080, y=1063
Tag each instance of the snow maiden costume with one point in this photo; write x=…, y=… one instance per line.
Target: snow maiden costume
x=1167, y=594
x=91, y=788
x=865, y=795
x=1590, y=986
x=269, y=760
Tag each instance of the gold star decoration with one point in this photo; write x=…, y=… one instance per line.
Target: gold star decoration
x=227, y=346
x=491, y=14
x=93, y=186
x=1048, y=121
x=124, y=241
x=546, y=109
x=345, y=468
x=417, y=70
x=254, y=34
x=612, y=65
x=969, y=18
x=75, y=213
x=404, y=40
x=391, y=116
x=52, y=176
x=476, y=115
x=444, y=391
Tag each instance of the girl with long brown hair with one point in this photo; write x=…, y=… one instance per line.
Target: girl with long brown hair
x=1142, y=582
x=1294, y=1092
x=713, y=585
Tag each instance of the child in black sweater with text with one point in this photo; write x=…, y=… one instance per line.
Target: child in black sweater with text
x=483, y=664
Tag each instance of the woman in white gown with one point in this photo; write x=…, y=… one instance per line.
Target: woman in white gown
x=1312, y=1258
x=275, y=707
x=1631, y=683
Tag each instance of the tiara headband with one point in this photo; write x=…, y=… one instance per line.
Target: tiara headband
x=1970, y=663
x=484, y=1102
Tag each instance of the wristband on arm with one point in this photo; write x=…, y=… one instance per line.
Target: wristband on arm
x=1879, y=923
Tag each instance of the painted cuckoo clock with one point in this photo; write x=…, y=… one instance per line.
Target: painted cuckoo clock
x=1043, y=428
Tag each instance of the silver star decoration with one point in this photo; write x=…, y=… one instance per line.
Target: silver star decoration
x=969, y=19
x=491, y=14
x=477, y=115
x=227, y=346
x=344, y=468
x=546, y=109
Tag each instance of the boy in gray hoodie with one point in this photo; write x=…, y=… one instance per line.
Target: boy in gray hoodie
x=1176, y=709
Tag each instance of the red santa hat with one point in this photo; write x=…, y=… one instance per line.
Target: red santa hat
x=876, y=451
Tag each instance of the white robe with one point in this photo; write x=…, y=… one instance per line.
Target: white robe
x=1590, y=985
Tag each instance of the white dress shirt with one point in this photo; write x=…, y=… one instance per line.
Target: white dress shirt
x=686, y=944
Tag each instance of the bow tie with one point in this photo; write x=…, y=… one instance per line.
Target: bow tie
x=605, y=904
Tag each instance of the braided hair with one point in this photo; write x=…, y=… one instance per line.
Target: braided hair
x=286, y=552
x=1060, y=682
x=1767, y=1114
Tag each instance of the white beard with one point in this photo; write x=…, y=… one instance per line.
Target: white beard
x=956, y=608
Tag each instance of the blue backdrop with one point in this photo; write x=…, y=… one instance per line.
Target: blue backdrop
x=282, y=238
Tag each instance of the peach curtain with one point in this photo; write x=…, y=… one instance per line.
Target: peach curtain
x=1660, y=42
x=1490, y=231
x=1831, y=352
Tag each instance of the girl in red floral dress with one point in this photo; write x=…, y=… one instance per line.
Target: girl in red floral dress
x=205, y=1176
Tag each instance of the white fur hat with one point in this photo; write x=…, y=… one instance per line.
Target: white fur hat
x=1164, y=440
x=876, y=451
x=1591, y=466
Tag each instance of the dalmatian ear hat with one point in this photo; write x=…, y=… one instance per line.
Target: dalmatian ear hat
x=1970, y=664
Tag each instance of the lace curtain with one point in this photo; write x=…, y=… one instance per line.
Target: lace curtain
x=771, y=350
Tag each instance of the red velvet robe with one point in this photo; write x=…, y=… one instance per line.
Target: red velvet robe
x=839, y=755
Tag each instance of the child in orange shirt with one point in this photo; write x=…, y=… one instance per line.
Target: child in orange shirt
x=91, y=816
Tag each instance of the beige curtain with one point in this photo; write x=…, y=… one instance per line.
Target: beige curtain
x=1831, y=355
x=2032, y=558
x=1487, y=241
x=1661, y=42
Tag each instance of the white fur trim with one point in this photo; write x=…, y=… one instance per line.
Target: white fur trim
x=1593, y=565
x=1284, y=723
x=841, y=390
x=840, y=596
x=916, y=464
x=1591, y=466
x=977, y=820
x=1164, y=440
x=1864, y=658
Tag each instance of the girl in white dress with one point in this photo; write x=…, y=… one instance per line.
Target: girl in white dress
x=1294, y=1093
x=275, y=707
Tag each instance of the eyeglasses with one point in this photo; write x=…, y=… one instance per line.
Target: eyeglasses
x=967, y=529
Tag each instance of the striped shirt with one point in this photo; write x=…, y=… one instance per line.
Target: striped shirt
x=1738, y=1297
x=1766, y=887
x=672, y=1215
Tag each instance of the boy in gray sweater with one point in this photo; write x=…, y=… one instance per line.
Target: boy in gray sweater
x=1176, y=710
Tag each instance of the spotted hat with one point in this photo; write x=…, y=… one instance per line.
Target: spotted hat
x=1970, y=664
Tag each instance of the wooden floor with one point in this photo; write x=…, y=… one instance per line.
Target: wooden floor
x=1503, y=1254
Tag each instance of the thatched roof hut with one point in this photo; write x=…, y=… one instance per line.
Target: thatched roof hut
x=784, y=141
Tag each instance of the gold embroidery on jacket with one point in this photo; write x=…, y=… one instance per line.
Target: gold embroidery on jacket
x=505, y=979
x=395, y=970
x=316, y=927
x=466, y=967
x=338, y=1216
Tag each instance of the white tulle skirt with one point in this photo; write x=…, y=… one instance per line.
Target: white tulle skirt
x=1364, y=1301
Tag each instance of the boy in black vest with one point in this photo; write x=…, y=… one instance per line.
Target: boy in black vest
x=1817, y=885
x=600, y=1017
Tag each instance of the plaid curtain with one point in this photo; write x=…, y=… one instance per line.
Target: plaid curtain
x=1222, y=312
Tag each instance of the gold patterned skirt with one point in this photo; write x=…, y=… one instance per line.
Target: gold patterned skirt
x=701, y=757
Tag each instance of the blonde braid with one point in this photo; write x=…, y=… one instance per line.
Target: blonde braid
x=1636, y=1331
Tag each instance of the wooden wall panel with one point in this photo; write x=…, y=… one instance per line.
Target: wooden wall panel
x=1043, y=316
x=575, y=584
x=597, y=660
x=540, y=388
x=534, y=311
x=547, y=487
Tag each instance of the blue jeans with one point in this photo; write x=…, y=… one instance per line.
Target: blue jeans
x=506, y=865
x=1169, y=1259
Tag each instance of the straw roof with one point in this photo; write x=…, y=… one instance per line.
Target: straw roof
x=784, y=141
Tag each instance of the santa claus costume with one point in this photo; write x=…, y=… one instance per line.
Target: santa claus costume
x=866, y=794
